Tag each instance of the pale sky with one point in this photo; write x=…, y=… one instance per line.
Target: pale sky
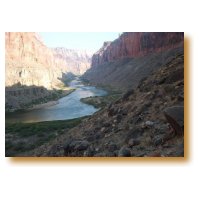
x=91, y=41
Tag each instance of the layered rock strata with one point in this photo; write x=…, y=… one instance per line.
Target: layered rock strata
x=136, y=44
x=124, y=62
x=29, y=62
x=77, y=61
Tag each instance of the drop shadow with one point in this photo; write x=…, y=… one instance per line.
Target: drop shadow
x=132, y=160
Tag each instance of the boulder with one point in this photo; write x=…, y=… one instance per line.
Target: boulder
x=175, y=117
x=135, y=134
x=67, y=147
x=132, y=142
x=89, y=152
x=149, y=123
x=75, y=145
x=81, y=145
x=124, y=152
x=154, y=154
x=119, y=117
x=112, y=147
x=112, y=112
x=107, y=124
x=159, y=139
x=180, y=150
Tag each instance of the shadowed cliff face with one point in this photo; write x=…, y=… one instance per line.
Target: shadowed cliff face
x=124, y=62
x=136, y=44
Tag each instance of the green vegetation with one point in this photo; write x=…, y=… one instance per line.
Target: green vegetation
x=23, y=137
x=55, y=95
x=67, y=79
x=102, y=101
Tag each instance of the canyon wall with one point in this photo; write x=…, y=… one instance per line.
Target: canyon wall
x=33, y=69
x=76, y=61
x=136, y=44
x=125, y=61
x=29, y=62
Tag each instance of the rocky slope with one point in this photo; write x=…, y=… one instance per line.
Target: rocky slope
x=146, y=121
x=76, y=61
x=120, y=63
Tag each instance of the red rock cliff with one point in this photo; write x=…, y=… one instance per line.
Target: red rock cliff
x=29, y=62
x=136, y=44
x=27, y=47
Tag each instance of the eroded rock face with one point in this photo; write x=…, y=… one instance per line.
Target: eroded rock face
x=29, y=62
x=76, y=61
x=121, y=64
x=136, y=44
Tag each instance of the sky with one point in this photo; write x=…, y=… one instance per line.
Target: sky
x=91, y=41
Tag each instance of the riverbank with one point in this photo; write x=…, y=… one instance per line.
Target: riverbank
x=22, y=138
x=63, y=93
x=102, y=101
x=68, y=107
x=50, y=100
x=38, y=106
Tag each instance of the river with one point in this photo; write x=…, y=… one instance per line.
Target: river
x=68, y=107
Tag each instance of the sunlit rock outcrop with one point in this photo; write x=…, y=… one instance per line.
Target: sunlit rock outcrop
x=29, y=62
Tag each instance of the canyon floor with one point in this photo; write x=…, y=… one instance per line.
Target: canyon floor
x=143, y=122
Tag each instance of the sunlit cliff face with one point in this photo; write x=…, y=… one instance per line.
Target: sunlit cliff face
x=76, y=61
x=30, y=62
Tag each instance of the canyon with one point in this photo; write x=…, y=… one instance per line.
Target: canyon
x=33, y=69
x=143, y=114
